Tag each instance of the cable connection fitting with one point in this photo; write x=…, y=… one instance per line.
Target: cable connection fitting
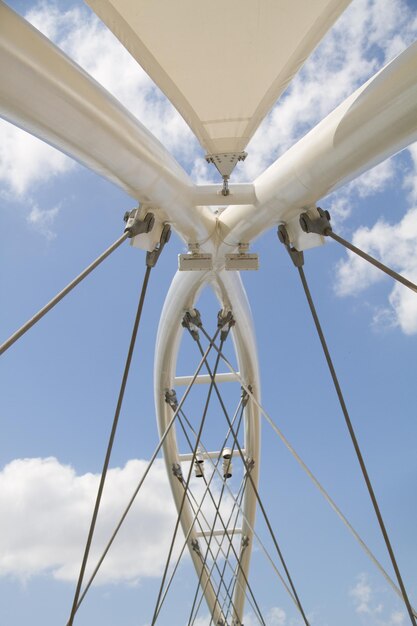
x=152, y=257
x=171, y=398
x=297, y=256
x=135, y=225
x=245, y=542
x=319, y=226
x=177, y=471
x=225, y=318
x=195, y=546
x=244, y=395
x=249, y=464
x=191, y=321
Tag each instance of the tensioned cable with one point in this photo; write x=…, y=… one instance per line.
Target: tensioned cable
x=313, y=478
x=226, y=531
x=111, y=441
x=217, y=514
x=32, y=321
x=252, y=482
x=201, y=503
x=255, y=534
x=373, y=261
x=186, y=485
x=238, y=503
x=196, y=519
x=168, y=428
x=355, y=443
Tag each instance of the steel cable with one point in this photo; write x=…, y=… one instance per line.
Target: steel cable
x=33, y=320
x=314, y=480
x=356, y=444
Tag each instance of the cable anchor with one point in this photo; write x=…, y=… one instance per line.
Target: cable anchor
x=296, y=256
x=135, y=225
x=152, y=257
x=224, y=318
x=191, y=321
x=177, y=471
x=320, y=226
x=171, y=398
x=245, y=395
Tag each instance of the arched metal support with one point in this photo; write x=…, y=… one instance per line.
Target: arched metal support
x=181, y=297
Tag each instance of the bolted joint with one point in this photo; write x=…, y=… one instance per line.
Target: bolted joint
x=135, y=225
x=152, y=257
x=171, y=398
x=244, y=395
x=319, y=226
x=225, y=321
x=245, y=542
x=195, y=546
x=297, y=256
x=191, y=321
x=249, y=464
x=177, y=471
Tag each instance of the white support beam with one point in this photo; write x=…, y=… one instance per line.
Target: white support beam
x=208, y=455
x=205, y=379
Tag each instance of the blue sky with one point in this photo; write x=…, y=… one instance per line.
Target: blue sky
x=60, y=382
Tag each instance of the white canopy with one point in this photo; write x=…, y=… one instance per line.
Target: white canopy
x=222, y=63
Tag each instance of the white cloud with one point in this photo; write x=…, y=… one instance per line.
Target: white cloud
x=59, y=503
x=26, y=161
x=396, y=246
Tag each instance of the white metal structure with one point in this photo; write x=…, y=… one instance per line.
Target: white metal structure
x=250, y=60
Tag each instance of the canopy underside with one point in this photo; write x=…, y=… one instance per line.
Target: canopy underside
x=221, y=64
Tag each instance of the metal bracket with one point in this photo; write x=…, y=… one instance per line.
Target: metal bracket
x=196, y=546
x=135, y=225
x=297, y=257
x=152, y=257
x=225, y=318
x=225, y=163
x=245, y=542
x=191, y=321
x=177, y=471
x=171, y=398
x=245, y=396
x=319, y=226
x=249, y=464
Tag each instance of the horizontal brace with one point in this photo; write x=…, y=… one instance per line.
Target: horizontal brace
x=219, y=533
x=205, y=379
x=208, y=455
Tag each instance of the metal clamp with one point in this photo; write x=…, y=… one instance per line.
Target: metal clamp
x=319, y=226
x=177, y=471
x=171, y=398
x=152, y=257
x=225, y=318
x=191, y=321
x=135, y=225
x=297, y=256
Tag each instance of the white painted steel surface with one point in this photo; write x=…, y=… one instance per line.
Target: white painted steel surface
x=181, y=297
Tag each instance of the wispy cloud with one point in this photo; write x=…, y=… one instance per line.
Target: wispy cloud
x=43, y=220
x=370, y=608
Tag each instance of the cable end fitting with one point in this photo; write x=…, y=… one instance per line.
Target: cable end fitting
x=135, y=225
x=320, y=226
x=296, y=256
x=152, y=257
